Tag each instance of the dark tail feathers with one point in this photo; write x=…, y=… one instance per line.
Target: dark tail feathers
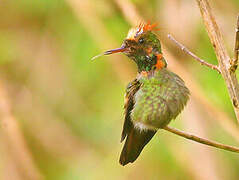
x=135, y=142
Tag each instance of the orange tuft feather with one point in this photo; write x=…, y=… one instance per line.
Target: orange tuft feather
x=148, y=27
x=141, y=28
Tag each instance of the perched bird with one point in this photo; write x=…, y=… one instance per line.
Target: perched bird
x=154, y=97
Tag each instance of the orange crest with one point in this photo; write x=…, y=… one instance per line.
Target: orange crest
x=141, y=28
x=147, y=27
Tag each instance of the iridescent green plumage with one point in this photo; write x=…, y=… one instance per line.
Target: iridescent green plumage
x=161, y=97
x=154, y=98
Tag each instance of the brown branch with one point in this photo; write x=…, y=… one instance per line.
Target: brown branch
x=234, y=62
x=202, y=140
x=221, y=53
x=187, y=51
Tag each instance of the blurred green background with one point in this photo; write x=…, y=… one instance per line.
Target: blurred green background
x=61, y=115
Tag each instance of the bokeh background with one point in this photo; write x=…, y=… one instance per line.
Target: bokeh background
x=61, y=114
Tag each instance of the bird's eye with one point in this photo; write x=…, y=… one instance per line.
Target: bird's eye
x=141, y=40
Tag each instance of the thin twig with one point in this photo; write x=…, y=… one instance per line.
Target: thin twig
x=234, y=62
x=187, y=51
x=221, y=53
x=202, y=140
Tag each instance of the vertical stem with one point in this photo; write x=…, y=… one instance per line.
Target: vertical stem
x=234, y=63
x=221, y=53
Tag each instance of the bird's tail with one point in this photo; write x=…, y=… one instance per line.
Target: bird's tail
x=135, y=142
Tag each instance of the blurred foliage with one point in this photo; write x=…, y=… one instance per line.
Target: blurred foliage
x=70, y=109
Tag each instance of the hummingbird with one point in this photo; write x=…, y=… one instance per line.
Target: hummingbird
x=154, y=97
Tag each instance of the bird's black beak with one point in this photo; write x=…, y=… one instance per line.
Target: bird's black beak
x=112, y=51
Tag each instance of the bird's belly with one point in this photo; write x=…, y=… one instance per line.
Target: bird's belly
x=156, y=106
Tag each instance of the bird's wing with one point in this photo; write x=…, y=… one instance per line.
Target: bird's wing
x=131, y=89
x=135, y=138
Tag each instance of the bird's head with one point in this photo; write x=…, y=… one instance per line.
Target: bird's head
x=143, y=47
